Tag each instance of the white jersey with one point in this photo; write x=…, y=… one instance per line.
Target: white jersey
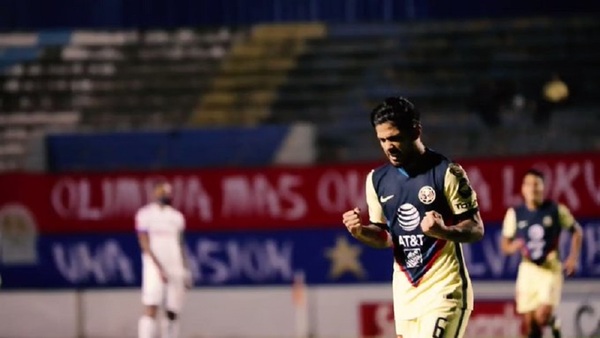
x=164, y=225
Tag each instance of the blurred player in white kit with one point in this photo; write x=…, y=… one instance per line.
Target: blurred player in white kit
x=165, y=276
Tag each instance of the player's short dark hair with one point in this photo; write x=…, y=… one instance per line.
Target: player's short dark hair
x=397, y=110
x=534, y=172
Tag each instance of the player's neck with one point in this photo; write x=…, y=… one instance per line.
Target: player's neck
x=418, y=160
x=420, y=147
x=533, y=205
x=417, y=154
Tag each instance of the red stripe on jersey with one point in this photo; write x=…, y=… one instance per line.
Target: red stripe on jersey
x=438, y=246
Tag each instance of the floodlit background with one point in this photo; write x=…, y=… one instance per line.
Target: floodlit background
x=257, y=112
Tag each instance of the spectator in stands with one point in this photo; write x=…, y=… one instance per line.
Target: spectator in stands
x=484, y=102
x=490, y=97
x=554, y=93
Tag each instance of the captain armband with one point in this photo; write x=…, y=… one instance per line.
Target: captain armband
x=469, y=214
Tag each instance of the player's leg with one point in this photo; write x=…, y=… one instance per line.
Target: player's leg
x=555, y=326
x=543, y=314
x=532, y=329
x=170, y=326
x=549, y=292
x=152, y=292
x=147, y=322
x=406, y=328
x=174, y=304
x=527, y=297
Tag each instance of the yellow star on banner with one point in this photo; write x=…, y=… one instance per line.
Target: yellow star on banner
x=344, y=258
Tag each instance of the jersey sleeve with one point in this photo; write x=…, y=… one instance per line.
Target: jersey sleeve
x=141, y=224
x=376, y=215
x=565, y=218
x=457, y=188
x=509, y=225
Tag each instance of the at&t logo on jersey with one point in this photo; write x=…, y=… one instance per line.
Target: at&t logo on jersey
x=408, y=217
x=412, y=249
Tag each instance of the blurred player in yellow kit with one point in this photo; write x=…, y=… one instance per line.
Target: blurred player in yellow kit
x=533, y=229
x=422, y=205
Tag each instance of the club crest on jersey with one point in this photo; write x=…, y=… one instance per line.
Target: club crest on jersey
x=547, y=221
x=408, y=217
x=426, y=195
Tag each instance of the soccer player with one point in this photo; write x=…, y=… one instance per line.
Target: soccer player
x=164, y=265
x=533, y=229
x=422, y=205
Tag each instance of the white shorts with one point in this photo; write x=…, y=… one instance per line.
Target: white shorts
x=156, y=292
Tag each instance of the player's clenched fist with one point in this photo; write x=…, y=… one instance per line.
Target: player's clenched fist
x=433, y=224
x=351, y=219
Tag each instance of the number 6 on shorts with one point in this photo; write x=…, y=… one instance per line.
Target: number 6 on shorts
x=440, y=327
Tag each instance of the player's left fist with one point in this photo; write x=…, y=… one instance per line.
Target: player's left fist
x=570, y=266
x=433, y=224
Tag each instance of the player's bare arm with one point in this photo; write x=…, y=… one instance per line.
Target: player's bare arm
x=462, y=200
x=370, y=234
x=510, y=246
x=468, y=230
x=182, y=250
x=144, y=241
x=509, y=243
x=570, y=264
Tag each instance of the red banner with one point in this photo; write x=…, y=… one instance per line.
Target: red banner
x=273, y=198
x=495, y=319
x=377, y=319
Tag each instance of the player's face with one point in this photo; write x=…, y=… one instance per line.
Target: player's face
x=533, y=189
x=164, y=193
x=397, y=145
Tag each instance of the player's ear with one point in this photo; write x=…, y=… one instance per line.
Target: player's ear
x=416, y=131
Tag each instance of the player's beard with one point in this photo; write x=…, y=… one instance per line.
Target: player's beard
x=165, y=200
x=396, y=158
x=538, y=200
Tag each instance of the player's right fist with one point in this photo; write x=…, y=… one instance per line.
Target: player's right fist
x=163, y=275
x=518, y=244
x=351, y=219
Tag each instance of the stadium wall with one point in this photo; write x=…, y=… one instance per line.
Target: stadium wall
x=332, y=312
x=70, y=263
